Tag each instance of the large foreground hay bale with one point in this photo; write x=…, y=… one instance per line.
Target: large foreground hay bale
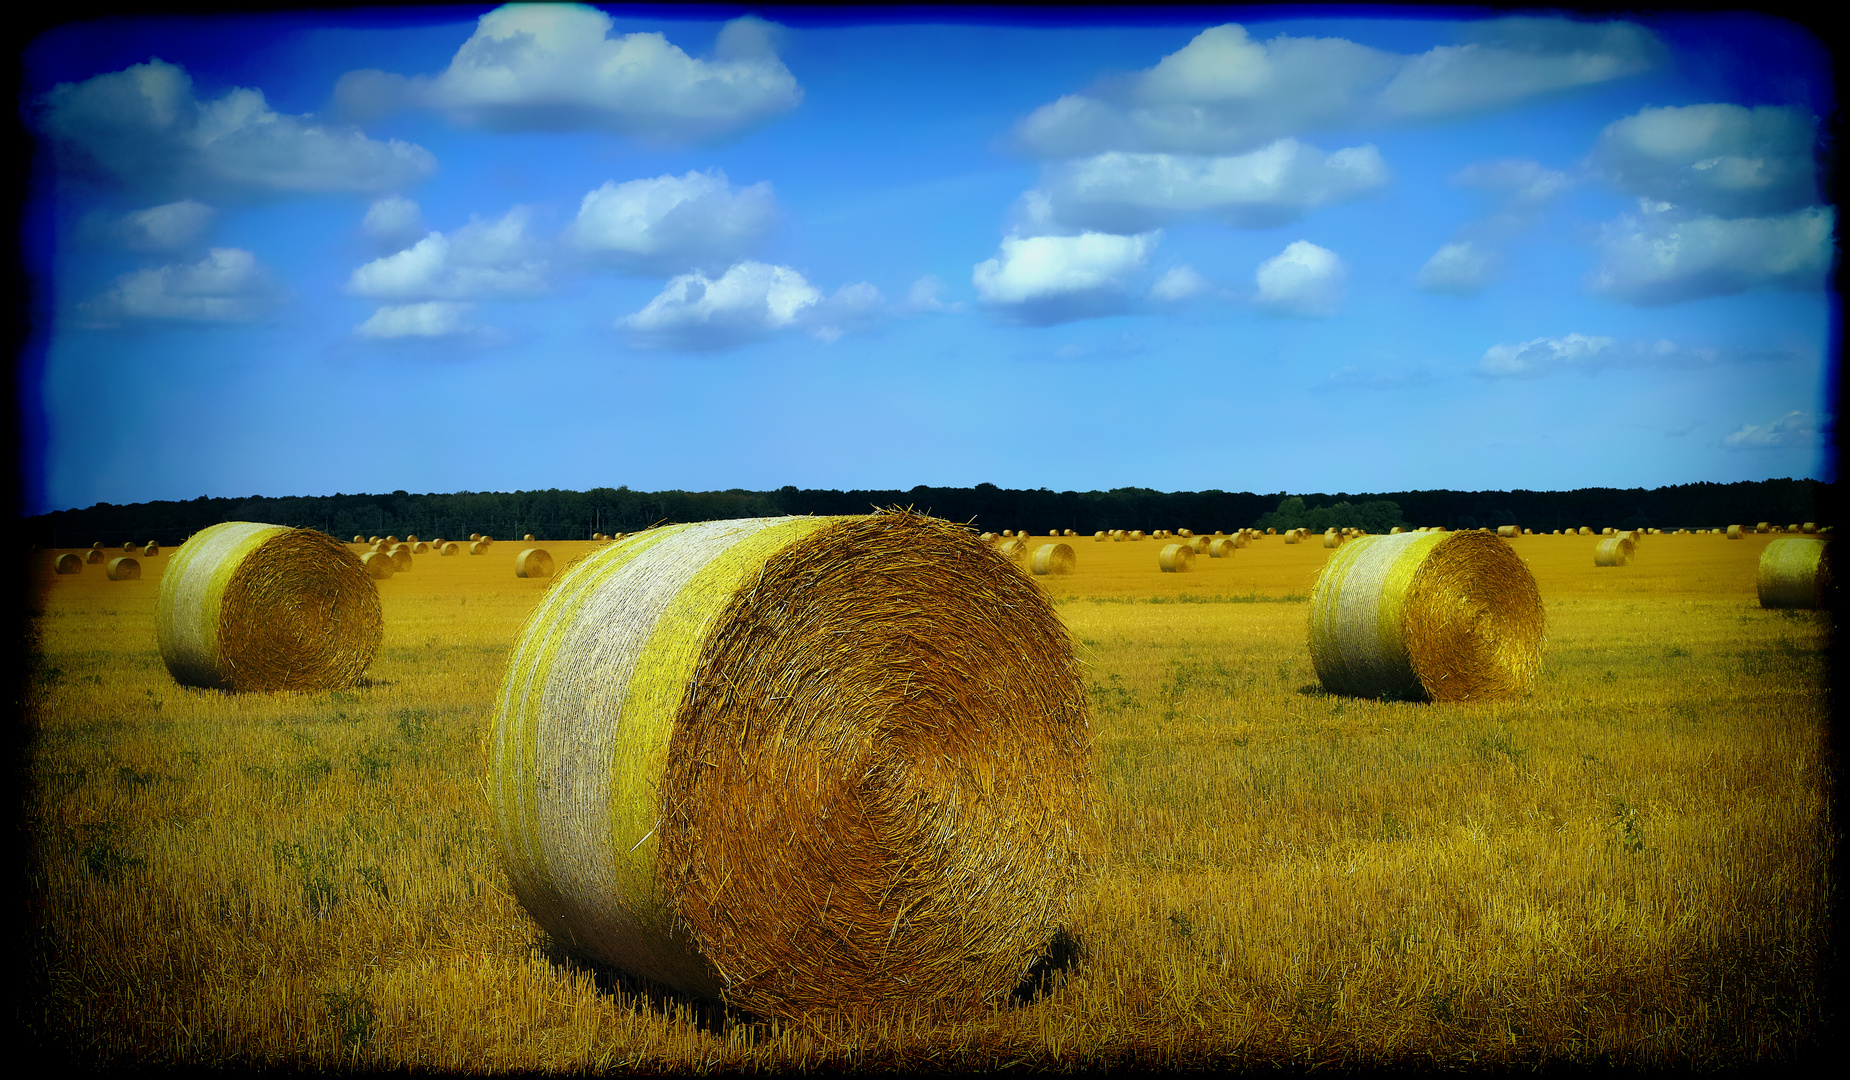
x=68, y=563
x=1441, y=616
x=1795, y=572
x=808, y=765
x=533, y=563
x=1053, y=559
x=245, y=606
x=1176, y=558
x=123, y=568
x=1613, y=551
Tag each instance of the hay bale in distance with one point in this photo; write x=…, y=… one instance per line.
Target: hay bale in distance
x=1013, y=550
x=1291, y=536
x=1809, y=527
x=1331, y=540
x=477, y=548
x=1198, y=544
x=1764, y=526
x=1053, y=559
x=246, y=606
x=123, y=568
x=533, y=563
x=527, y=539
x=1438, y=616
x=473, y=537
x=1734, y=532
x=1613, y=551
x=95, y=556
x=1099, y=536
x=68, y=563
x=401, y=558
x=449, y=547
x=800, y=825
x=1508, y=531
x=420, y=548
x=151, y=550
x=378, y=565
x=1175, y=558
x=1795, y=572
x=1222, y=549
x=1067, y=532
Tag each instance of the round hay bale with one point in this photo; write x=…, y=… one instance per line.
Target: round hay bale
x=1053, y=559
x=96, y=546
x=1809, y=527
x=1099, y=536
x=1176, y=558
x=1067, y=532
x=378, y=565
x=1271, y=532
x=1613, y=551
x=392, y=542
x=374, y=539
x=1795, y=572
x=1242, y=540
x=1199, y=545
x=1331, y=540
x=806, y=765
x=1185, y=533
x=473, y=537
x=401, y=558
x=526, y=538
x=437, y=543
x=987, y=538
x=477, y=548
x=420, y=548
x=1439, y=616
x=123, y=568
x=533, y=563
x=128, y=546
x=95, y=556
x=1222, y=549
x=68, y=563
x=1734, y=532
x=1008, y=532
x=411, y=538
x=1013, y=550
x=487, y=540
x=1764, y=526
x=449, y=548
x=1136, y=534
x=1394, y=530
x=151, y=550
x=1291, y=536
x=1508, y=531
x=245, y=606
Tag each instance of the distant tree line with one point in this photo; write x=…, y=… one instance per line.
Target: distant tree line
x=557, y=515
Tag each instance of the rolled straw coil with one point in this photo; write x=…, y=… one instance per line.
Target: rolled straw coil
x=420, y=548
x=378, y=565
x=808, y=765
x=1809, y=527
x=527, y=538
x=1099, y=537
x=477, y=548
x=96, y=546
x=1764, y=526
x=401, y=558
x=533, y=563
x=1331, y=540
x=473, y=537
x=1291, y=536
x=1013, y=550
x=1439, y=616
x=95, y=556
x=449, y=548
x=68, y=563
x=245, y=606
x=1067, y=532
x=1053, y=559
x=1734, y=532
x=1795, y=572
x=1508, y=530
x=123, y=568
x=1175, y=558
x=1613, y=551
x=151, y=550
x=1222, y=549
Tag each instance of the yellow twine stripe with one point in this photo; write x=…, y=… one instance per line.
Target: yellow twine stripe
x=192, y=593
x=1357, y=642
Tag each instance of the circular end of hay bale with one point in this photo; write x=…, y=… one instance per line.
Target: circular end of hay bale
x=1613, y=551
x=1439, y=616
x=1331, y=540
x=1054, y=559
x=420, y=548
x=474, y=537
x=1809, y=527
x=1100, y=536
x=1198, y=544
x=392, y=542
x=123, y=568
x=94, y=557
x=151, y=550
x=411, y=538
x=1734, y=532
x=1067, y=532
x=477, y=548
x=97, y=546
x=449, y=548
x=845, y=822
x=1175, y=558
x=1222, y=549
x=1795, y=572
x=378, y=565
x=527, y=538
x=246, y=606
x=533, y=563
x=128, y=546
x=68, y=563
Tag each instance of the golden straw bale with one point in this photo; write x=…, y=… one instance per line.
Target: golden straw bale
x=1053, y=559
x=245, y=606
x=1198, y=544
x=123, y=568
x=151, y=550
x=1175, y=558
x=1099, y=536
x=95, y=556
x=68, y=563
x=1271, y=532
x=1613, y=551
x=533, y=563
x=797, y=836
x=987, y=537
x=1438, y=616
x=1136, y=534
x=1394, y=530
x=128, y=546
x=1291, y=536
x=1764, y=526
x=1222, y=549
x=1067, y=532
x=1184, y=533
x=437, y=543
x=401, y=557
x=1795, y=572
x=374, y=539
x=391, y=542
x=1013, y=550
x=449, y=547
x=1507, y=531
x=97, y=546
x=1809, y=526
x=420, y=548
x=1242, y=540
x=358, y=539
x=527, y=538
x=378, y=565
x=1792, y=528
x=477, y=548
x=474, y=537
x=411, y=539
x=1331, y=540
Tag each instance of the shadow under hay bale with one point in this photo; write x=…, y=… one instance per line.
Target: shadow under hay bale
x=850, y=776
x=1434, y=616
x=1795, y=572
x=1064, y=952
x=245, y=606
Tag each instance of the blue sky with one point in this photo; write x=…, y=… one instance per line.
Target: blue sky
x=449, y=249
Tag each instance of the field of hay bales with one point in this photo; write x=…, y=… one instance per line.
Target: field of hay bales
x=1630, y=865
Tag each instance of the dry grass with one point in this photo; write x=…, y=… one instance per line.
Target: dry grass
x=1630, y=866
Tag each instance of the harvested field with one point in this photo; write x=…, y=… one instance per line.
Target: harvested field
x=1627, y=866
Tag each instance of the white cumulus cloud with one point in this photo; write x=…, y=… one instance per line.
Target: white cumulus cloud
x=1050, y=279
x=1516, y=59
x=143, y=129
x=555, y=67
x=748, y=302
x=672, y=223
x=1178, y=284
x=169, y=227
x=483, y=258
x=1658, y=257
x=1274, y=185
x=1543, y=356
x=1303, y=280
x=1793, y=429
x=1460, y=268
x=394, y=223
x=433, y=318
x=226, y=286
x=1717, y=159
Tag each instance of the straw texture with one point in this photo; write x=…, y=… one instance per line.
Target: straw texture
x=1053, y=559
x=1795, y=572
x=378, y=565
x=123, y=568
x=245, y=606
x=809, y=765
x=1435, y=616
x=69, y=563
x=533, y=563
